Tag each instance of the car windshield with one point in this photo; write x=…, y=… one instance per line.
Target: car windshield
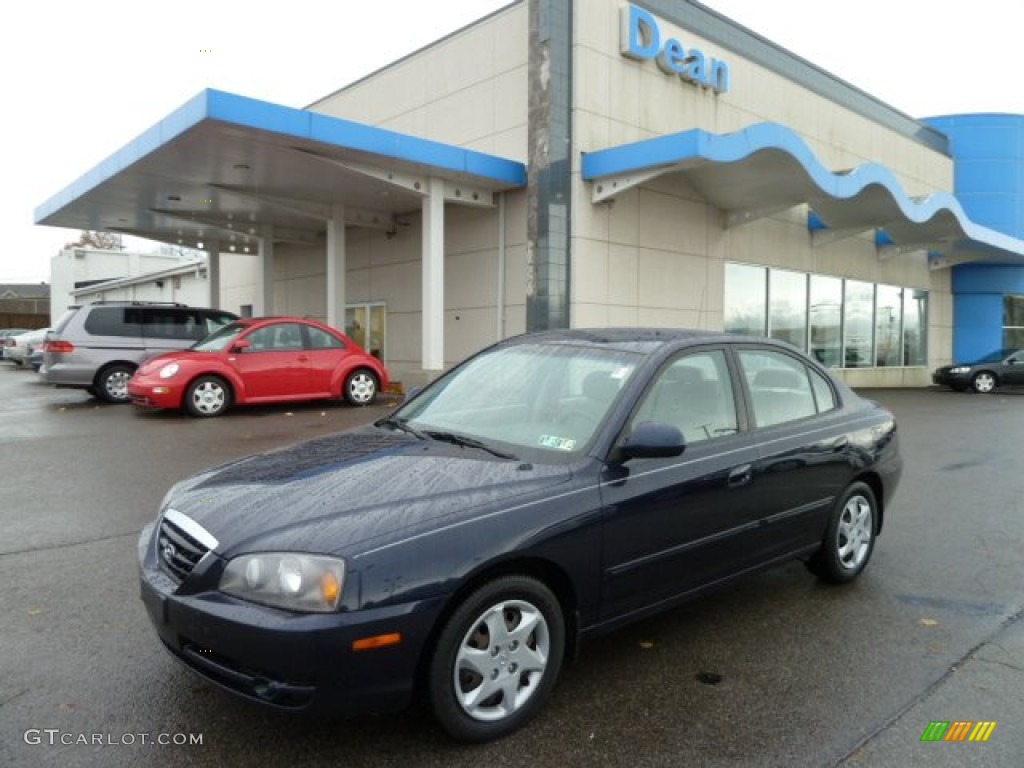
x=541, y=400
x=221, y=338
x=998, y=356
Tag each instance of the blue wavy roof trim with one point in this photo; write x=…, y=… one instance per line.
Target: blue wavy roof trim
x=698, y=148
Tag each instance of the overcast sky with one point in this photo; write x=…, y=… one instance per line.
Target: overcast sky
x=81, y=79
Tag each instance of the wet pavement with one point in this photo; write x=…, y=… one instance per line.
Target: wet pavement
x=778, y=670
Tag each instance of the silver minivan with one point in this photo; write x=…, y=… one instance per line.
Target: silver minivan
x=98, y=346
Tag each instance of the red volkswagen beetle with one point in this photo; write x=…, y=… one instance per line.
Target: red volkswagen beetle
x=260, y=360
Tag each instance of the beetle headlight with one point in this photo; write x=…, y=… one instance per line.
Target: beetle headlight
x=168, y=370
x=296, y=582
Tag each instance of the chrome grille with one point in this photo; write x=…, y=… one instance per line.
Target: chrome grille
x=181, y=544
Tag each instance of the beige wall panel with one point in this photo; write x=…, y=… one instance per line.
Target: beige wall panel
x=471, y=280
x=399, y=285
x=515, y=319
x=357, y=286
x=589, y=315
x=463, y=116
x=357, y=248
x=668, y=318
x=589, y=271
x=403, y=247
x=469, y=229
x=624, y=218
x=303, y=296
x=623, y=316
x=466, y=332
x=623, y=275
x=432, y=92
x=668, y=223
x=671, y=279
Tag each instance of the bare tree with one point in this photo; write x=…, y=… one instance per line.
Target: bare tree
x=107, y=241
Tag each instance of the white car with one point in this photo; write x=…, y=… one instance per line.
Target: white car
x=19, y=350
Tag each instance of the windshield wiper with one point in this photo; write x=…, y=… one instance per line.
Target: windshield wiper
x=402, y=424
x=468, y=442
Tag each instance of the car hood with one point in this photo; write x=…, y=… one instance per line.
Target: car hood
x=174, y=356
x=341, y=491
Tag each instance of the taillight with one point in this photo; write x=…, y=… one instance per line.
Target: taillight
x=59, y=345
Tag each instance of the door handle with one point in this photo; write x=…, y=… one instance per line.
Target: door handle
x=741, y=476
x=303, y=359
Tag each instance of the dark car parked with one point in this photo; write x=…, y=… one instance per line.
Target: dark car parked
x=1000, y=368
x=553, y=487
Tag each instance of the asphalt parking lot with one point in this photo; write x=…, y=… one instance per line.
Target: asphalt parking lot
x=776, y=671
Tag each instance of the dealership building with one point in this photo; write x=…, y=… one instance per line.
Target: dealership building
x=563, y=163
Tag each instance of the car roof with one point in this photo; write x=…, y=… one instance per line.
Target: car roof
x=641, y=339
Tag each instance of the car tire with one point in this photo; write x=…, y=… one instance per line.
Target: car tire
x=850, y=536
x=207, y=396
x=360, y=387
x=983, y=382
x=511, y=629
x=112, y=382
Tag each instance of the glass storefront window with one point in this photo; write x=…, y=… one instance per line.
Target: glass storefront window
x=915, y=324
x=841, y=323
x=1013, y=322
x=888, y=325
x=746, y=293
x=787, y=307
x=858, y=306
x=826, y=320
x=365, y=325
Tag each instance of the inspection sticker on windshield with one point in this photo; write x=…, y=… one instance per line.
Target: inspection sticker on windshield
x=560, y=443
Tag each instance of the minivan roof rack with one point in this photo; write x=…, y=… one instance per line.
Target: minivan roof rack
x=143, y=303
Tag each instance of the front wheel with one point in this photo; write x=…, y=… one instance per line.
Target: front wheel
x=497, y=658
x=207, y=396
x=850, y=537
x=360, y=387
x=983, y=382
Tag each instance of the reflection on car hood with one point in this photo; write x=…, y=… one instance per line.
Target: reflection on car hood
x=329, y=494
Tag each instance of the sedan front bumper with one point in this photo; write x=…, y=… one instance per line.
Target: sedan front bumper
x=286, y=660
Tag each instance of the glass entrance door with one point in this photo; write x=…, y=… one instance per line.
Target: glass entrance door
x=366, y=325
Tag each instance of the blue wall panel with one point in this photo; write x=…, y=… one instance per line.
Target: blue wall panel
x=979, y=325
x=988, y=156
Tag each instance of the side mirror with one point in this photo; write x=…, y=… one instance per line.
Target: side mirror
x=241, y=345
x=653, y=440
x=411, y=394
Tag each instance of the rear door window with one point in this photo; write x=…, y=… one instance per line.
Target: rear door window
x=114, y=321
x=171, y=323
x=779, y=388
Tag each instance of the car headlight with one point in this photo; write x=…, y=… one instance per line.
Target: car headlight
x=168, y=370
x=296, y=582
x=960, y=369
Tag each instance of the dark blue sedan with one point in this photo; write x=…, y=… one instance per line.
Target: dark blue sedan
x=553, y=487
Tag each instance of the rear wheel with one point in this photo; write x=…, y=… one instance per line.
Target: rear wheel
x=360, y=387
x=207, y=396
x=850, y=537
x=112, y=382
x=497, y=658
